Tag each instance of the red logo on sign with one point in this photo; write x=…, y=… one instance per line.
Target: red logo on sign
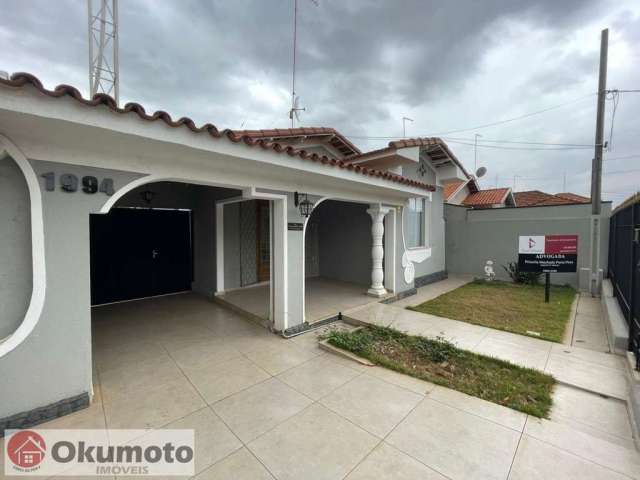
x=26, y=449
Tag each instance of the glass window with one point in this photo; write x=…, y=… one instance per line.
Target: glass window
x=415, y=223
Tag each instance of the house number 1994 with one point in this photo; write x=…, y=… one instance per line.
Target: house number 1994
x=70, y=183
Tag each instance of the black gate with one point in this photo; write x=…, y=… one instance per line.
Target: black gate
x=624, y=267
x=137, y=253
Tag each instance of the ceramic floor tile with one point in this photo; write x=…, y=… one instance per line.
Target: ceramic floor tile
x=504, y=416
x=258, y=409
x=405, y=381
x=278, y=358
x=317, y=377
x=221, y=380
x=154, y=407
x=537, y=460
x=456, y=444
x=609, y=455
x=388, y=463
x=241, y=465
x=372, y=404
x=608, y=415
x=326, y=446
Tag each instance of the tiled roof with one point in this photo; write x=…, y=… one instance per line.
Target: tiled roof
x=533, y=198
x=451, y=188
x=485, y=198
x=529, y=198
x=337, y=140
x=19, y=80
x=573, y=197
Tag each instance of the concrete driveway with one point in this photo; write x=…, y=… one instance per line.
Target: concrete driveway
x=264, y=407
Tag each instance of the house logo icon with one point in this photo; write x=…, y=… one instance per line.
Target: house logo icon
x=532, y=242
x=26, y=449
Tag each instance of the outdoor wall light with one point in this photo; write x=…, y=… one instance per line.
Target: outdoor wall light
x=147, y=195
x=305, y=205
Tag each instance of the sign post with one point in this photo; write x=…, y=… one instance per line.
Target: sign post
x=548, y=254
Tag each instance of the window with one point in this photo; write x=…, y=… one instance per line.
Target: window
x=415, y=223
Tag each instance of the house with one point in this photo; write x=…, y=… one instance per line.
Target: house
x=103, y=203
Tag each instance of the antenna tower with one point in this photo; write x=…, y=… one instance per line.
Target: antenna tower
x=104, y=74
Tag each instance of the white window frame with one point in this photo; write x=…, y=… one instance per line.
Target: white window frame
x=424, y=241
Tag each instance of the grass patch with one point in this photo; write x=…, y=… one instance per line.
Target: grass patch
x=505, y=306
x=439, y=361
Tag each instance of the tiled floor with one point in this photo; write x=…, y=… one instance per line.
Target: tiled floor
x=323, y=298
x=268, y=408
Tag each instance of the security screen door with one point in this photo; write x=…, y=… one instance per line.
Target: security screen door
x=137, y=253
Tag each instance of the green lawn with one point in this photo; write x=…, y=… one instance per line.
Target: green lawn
x=440, y=362
x=512, y=307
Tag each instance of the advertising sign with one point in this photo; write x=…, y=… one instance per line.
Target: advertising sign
x=548, y=253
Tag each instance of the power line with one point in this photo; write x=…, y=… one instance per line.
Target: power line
x=501, y=147
x=486, y=125
x=625, y=157
x=523, y=142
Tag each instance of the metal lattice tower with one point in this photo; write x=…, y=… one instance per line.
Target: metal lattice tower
x=103, y=48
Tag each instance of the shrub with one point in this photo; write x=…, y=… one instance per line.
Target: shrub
x=530, y=278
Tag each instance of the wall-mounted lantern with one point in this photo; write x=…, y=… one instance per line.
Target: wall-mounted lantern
x=305, y=205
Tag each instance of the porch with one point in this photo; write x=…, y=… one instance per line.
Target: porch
x=324, y=298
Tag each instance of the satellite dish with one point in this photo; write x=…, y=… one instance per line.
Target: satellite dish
x=481, y=172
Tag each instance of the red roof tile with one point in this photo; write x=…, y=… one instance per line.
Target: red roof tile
x=19, y=80
x=573, y=197
x=451, y=188
x=485, y=198
x=533, y=198
x=337, y=140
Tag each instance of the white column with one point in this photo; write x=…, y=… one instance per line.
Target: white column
x=377, y=213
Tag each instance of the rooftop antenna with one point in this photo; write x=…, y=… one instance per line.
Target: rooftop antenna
x=104, y=76
x=475, y=150
x=404, y=125
x=295, y=101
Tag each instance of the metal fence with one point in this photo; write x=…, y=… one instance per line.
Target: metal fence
x=624, y=267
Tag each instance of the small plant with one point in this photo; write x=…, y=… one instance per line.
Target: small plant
x=529, y=278
x=437, y=350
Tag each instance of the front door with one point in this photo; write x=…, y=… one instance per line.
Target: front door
x=263, y=236
x=137, y=253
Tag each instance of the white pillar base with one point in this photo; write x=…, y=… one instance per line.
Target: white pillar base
x=377, y=292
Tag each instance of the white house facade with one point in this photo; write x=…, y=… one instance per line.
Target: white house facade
x=102, y=204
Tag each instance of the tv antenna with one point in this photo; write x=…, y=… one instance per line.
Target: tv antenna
x=295, y=100
x=404, y=125
x=104, y=76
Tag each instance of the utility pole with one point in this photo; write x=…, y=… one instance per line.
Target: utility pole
x=475, y=151
x=564, y=181
x=596, y=167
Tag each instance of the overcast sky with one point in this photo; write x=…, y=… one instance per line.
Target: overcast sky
x=363, y=65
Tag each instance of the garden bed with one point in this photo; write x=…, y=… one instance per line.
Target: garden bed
x=512, y=307
x=440, y=362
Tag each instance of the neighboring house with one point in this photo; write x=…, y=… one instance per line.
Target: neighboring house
x=532, y=198
x=102, y=203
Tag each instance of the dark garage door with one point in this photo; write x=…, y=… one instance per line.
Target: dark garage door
x=138, y=253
